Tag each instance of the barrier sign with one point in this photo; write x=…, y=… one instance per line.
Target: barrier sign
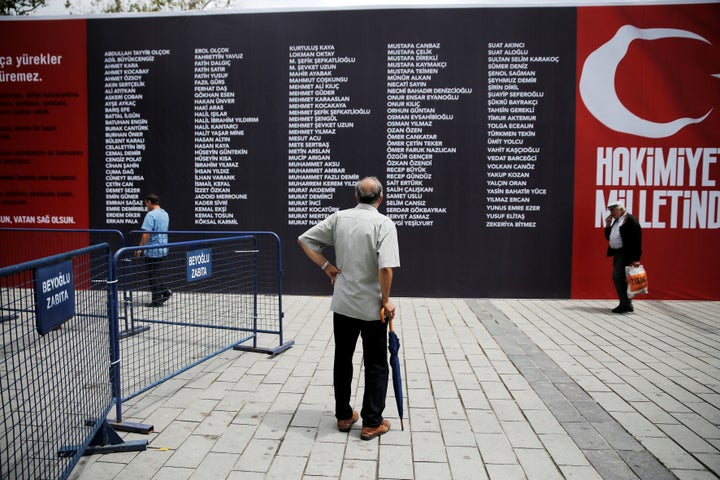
x=54, y=296
x=199, y=264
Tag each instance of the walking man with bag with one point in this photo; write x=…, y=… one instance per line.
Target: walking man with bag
x=624, y=236
x=366, y=251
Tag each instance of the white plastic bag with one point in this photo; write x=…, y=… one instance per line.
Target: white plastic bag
x=637, y=281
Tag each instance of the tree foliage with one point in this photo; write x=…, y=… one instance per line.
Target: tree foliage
x=122, y=6
x=20, y=7
x=84, y=7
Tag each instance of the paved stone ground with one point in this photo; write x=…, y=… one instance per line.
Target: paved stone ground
x=498, y=389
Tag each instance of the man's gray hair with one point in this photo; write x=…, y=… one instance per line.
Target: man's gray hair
x=372, y=192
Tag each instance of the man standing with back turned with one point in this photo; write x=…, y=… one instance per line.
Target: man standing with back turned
x=624, y=236
x=366, y=250
x=156, y=220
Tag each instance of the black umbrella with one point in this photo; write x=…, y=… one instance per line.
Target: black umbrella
x=394, y=348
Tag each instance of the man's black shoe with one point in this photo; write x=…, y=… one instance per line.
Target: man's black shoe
x=623, y=309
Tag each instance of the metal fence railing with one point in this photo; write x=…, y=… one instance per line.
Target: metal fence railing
x=55, y=382
x=26, y=244
x=268, y=322
x=208, y=298
x=62, y=371
x=31, y=243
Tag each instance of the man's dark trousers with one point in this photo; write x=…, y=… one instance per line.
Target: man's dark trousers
x=374, y=341
x=156, y=287
x=620, y=280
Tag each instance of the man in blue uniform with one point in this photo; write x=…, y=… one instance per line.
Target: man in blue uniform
x=156, y=220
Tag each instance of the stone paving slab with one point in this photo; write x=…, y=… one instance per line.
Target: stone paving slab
x=494, y=389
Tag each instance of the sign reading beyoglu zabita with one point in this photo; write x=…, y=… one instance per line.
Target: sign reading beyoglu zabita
x=500, y=135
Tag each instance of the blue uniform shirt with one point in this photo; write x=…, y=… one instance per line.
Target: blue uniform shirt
x=157, y=220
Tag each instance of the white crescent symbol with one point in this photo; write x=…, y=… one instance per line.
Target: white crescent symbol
x=597, y=84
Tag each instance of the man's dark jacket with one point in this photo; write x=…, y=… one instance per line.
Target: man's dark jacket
x=631, y=235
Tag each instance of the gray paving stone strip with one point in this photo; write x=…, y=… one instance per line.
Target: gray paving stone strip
x=494, y=390
x=614, y=452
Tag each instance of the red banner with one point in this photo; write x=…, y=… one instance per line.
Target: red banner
x=43, y=124
x=647, y=128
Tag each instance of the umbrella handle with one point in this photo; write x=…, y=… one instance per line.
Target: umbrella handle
x=382, y=318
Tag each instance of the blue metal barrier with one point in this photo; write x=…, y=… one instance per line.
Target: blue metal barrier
x=28, y=244
x=205, y=297
x=60, y=380
x=270, y=316
x=55, y=369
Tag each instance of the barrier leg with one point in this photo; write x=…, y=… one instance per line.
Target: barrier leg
x=270, y=351
x=133, y=427
x=106, y=440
